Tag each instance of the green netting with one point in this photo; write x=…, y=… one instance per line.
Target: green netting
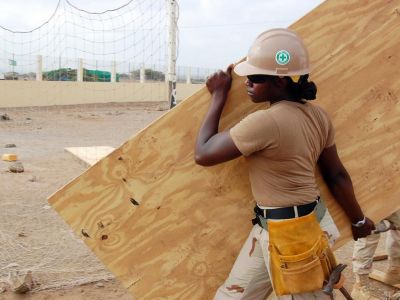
x=68, y=74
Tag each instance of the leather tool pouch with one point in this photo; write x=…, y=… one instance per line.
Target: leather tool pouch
x=300, y=257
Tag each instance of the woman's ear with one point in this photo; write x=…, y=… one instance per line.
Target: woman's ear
x=280, y=82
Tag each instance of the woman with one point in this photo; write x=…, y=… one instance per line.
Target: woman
x=282, y=145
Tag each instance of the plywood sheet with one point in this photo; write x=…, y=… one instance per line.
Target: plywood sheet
x=170, y=229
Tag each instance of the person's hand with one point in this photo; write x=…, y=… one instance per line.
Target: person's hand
x=364, y=230
x=220, y=81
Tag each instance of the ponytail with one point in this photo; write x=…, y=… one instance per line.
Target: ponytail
x=303, y=89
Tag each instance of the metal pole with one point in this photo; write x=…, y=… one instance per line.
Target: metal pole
x=172, y=51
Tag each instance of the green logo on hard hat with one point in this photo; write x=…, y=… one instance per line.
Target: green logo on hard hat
x=282, y=57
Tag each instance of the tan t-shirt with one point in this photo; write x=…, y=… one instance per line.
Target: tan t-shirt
x=282, y=145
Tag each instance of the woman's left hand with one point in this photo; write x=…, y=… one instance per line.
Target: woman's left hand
x=364, y=230
x=220, y=81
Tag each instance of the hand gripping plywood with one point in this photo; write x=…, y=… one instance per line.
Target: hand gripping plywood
x=169, y=229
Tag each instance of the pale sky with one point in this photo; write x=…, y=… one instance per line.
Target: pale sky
x=212, y=33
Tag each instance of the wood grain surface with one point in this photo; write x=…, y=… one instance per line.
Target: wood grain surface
x=380, y=276
x=169, y=229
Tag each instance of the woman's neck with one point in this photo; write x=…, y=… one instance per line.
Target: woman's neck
x=290, y=100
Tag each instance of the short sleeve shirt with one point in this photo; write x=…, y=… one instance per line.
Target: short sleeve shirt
x=282, y=145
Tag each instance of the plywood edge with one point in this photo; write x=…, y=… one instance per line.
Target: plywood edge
x=380, y=276
x=88, y=156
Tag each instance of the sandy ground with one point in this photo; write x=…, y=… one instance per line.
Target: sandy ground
x=40, y=136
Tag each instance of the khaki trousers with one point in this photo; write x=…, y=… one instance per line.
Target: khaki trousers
x=249, y=277
x=364, y=249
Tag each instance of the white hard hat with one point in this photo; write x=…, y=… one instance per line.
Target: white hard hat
x=279, y=52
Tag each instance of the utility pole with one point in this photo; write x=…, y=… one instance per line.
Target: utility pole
x=172, y=51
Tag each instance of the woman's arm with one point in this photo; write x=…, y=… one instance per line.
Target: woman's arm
x=212, y=147
x=341, y=187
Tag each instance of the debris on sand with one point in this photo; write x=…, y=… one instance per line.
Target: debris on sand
x=33, y=178
x=16, y=167
x=10, y=146
x=5, y=117
x=161, y=107
x=3, y=287
x=22, y=284
x=9, y=157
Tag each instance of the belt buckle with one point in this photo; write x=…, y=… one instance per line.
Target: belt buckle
x=296, y=211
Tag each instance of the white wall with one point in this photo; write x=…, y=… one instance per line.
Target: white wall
x=44, y=93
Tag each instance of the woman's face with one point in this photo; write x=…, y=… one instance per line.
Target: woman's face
x=260, y=88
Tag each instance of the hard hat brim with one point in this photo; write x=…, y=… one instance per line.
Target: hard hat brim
x=245, y=68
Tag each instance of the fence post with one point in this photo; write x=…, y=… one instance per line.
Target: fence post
x=188, y=75
x=172, y=35
x=39, y=73
x=79, y=77
x=142, y=75
x=114, y=72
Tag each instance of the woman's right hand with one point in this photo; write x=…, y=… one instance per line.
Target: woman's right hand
x=220, y=81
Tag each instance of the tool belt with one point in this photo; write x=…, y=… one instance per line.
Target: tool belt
x=263, y=215
x=300, y=257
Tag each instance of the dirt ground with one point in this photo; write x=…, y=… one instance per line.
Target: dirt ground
x=27, y=224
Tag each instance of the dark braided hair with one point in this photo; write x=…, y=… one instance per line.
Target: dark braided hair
x=303, y=89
